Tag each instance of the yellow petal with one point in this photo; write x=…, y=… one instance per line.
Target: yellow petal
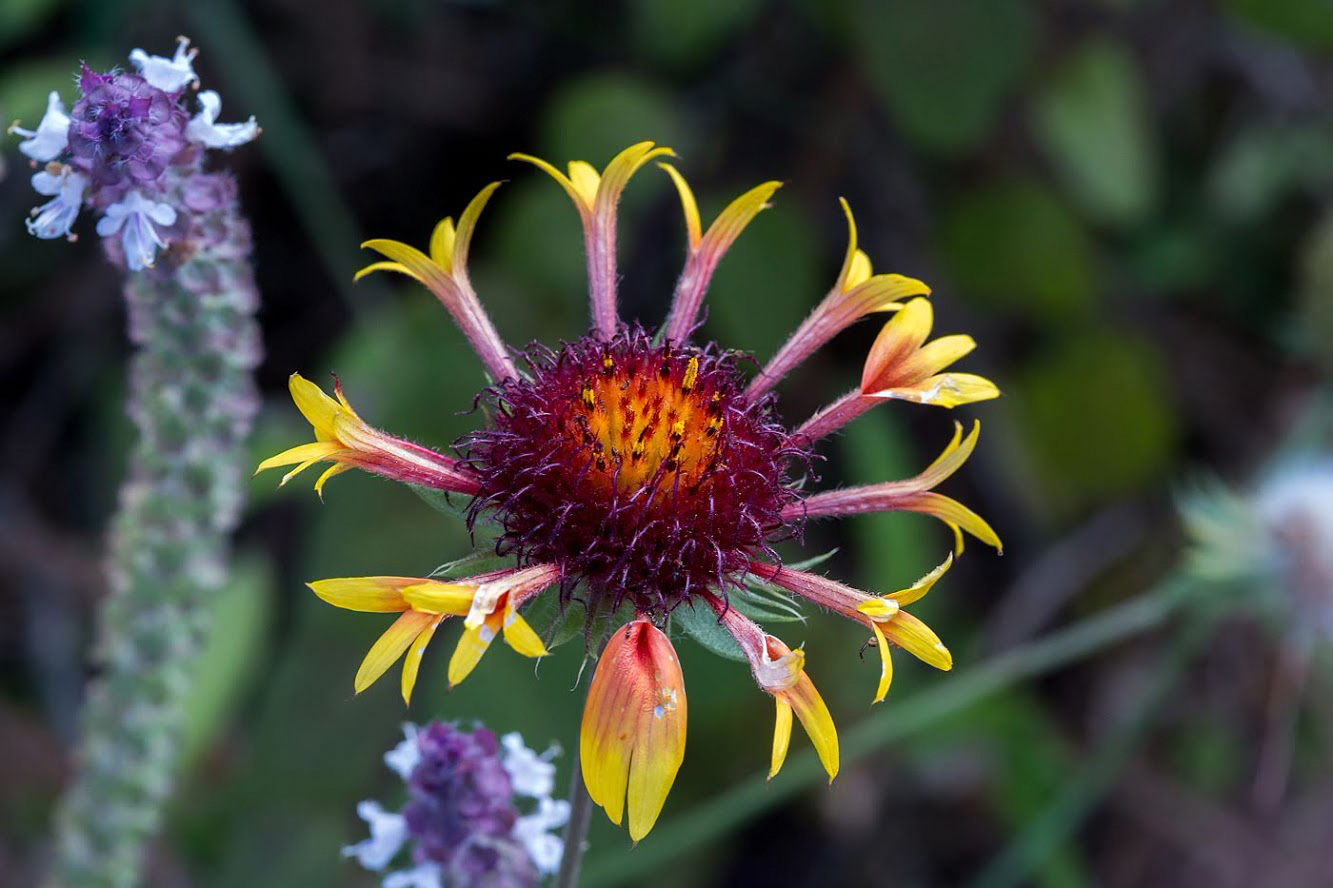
x=471, y=645
x=918, y=590
x=781, y=736
x=953, y=456
x=520, y=636
x=412, y=664
x=954, y=513
x=433, y=597
x=390, y=646
x=897, y=342
x=618, y=172
x=693, y=227
x=308, y=454
x=584, y=206
x=860, y=270
x=332, y=471
x=386, y=266
x=416, y=263
x=442, y=244
x=586, y=181
x=633, y=736
x=817, y=721
x=738, y=214
x=886, y=663
x=467, y=224
x=919, y=640
x=371, y=595
x=943, y=390
x=318, y=408
x=849, y=260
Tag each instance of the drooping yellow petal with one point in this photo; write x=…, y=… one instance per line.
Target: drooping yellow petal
x=886, y=664
x=304, y=454
x=943, y=390
x=390, y=646
x=818, y=723
x=372, y=595
x=956, y=515
x=412, y=663
x=471, y=645
x=781, y=736
x=851, y=275
x=331, y=472
x=520, y=636
x=633, y=737
x=919, y=640
x=416, y=263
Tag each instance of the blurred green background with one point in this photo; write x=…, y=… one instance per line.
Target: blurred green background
x=1126, y=202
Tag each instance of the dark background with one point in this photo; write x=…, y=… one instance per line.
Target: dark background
x=1124, y=201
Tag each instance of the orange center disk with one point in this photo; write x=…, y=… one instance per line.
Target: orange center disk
x=647, y=427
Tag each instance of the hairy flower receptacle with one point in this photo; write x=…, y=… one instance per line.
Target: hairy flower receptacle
x=640, y=468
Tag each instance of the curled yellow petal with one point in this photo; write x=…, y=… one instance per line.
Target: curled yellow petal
x=471, y=645
x=918, y=590
x=442, y=244
x=434, y=597
x=384, y=265
x=693, y=227
x=318, y=408
x=305, y=455
x=390, y=646
x=467, y=225
x=818, y=723
x=886, y=664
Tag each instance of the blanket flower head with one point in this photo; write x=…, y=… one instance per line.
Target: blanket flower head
x=645, y=480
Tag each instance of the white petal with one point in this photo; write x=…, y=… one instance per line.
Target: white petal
x=530, y=774
x=531, y=830
x=423, y=875
x=51, y=137
x=388, y=831
x=204, y=128
x=168, y=75
x=403, y=758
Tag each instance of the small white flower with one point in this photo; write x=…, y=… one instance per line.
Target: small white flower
x=388, y=832
x=168, y=75
x=532, y=775
x=543, y=847
x=423, y=875
x=65, y=187
x=204, y=128
x=403, y=758
x=137, y=218
x=51, y=137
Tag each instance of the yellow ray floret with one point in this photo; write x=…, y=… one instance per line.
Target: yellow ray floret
x=902, y=365
x=888, y=621
x=594, y=192
x=784, y=677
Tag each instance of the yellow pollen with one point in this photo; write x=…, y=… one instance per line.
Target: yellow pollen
x=589, y=400
x=691, y=375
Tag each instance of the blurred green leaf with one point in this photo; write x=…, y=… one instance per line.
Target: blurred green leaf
x=1263, y=163
x=765, y=284
x=1014, y=244
x=1097, y=414
x=239, y=621
x=1092, y=119
x=1306, y=23
x=19, y=18
x=24, y=86
x=945, y=68
x=685, y=33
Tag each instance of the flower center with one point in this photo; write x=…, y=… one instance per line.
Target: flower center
x=641, y=469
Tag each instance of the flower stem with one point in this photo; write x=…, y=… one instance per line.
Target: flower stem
x=576, y=832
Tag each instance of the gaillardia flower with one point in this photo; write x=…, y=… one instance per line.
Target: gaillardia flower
x=646, y=480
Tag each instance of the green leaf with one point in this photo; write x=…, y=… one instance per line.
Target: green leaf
x=944, y=68
x=454, y=505
x=483, y=560
x=1013, y=244
x=702, y=624
x=1092, y=119
x=685, y=33
x=597, y=116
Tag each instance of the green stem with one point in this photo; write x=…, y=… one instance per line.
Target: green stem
x=1077, y=796
x=716, y=819
x=576, y=831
